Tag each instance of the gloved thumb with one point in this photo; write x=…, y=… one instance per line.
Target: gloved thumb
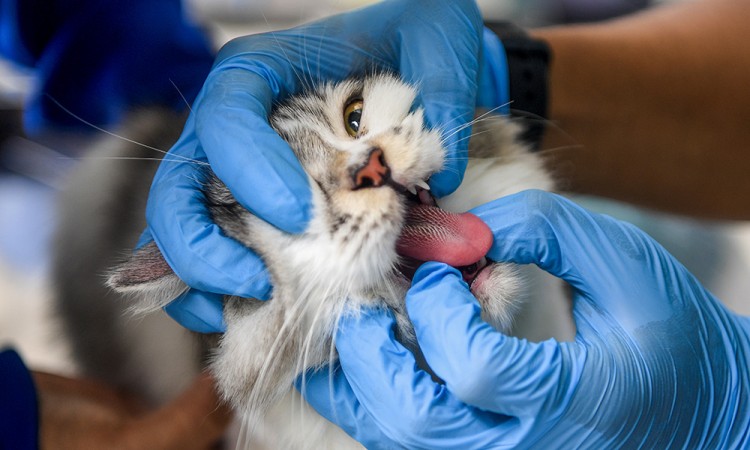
x=447, y=77
x=479, y=365
x=596, y=254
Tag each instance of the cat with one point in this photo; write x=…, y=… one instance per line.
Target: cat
x=368, y=155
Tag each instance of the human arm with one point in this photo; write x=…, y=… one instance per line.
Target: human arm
x=653, y=108
x=657, y=360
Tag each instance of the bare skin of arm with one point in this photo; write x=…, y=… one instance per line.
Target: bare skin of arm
x=83, y=414
x=655, y=108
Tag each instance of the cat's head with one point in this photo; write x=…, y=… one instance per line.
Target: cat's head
x=360, y=134
x=368, y=154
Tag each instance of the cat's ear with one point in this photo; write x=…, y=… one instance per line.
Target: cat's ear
x=147, y=279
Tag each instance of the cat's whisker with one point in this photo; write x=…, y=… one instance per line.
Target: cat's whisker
x=506, y=158
x=316, y=327
x=321, y=38
x=460, y=126
x=450, y=169
x=314, y=76
x=197, y=180
x=292, y=321
x=471, y=136
x=547, y=122
x=115, y=135
x=552, y=150
x=287, y=328
x=445, y=139
x=332, y=356
x=273, y=34
x=306, y=62
x=134, y=158
x=244, y=433
x=448, y=133
x=459, y=158
x=311, y=328
x=190, y=108
x=494, y=158
x=323, y=310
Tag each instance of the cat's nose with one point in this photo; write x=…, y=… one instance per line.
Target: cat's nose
x=374, y=173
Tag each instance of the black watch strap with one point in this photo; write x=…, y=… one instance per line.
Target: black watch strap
x=528, y=65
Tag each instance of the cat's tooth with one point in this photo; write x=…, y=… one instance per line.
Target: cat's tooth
x=423, y=185
x=412, y=189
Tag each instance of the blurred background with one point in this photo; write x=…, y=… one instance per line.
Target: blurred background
x=32, y=172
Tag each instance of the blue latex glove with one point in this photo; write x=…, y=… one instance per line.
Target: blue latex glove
x=435, y=44
x=657, y=362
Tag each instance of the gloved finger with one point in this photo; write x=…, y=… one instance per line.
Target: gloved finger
x=328, y=391
x=596, y=254
x=198, y=311
x=311, y=54
x=256, y=164
x=403, y=401
x=192, y=244
x=446, y=77
x=481, y=366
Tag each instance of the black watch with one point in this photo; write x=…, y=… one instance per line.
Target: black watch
x=528, y=66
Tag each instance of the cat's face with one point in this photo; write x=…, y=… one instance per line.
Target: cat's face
x=334, y=130
x=368, y=153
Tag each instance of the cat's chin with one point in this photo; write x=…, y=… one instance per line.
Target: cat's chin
x=474, y=274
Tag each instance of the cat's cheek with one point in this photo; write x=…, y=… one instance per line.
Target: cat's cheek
x=412, y=156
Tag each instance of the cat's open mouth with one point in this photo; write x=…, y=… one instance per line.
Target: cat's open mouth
x=433, y=234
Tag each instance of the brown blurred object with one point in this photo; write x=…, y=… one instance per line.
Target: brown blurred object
x=85, y=414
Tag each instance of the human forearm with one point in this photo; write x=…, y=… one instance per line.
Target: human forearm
x=653, y=109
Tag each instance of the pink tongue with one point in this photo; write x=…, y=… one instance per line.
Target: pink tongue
x=431, y=234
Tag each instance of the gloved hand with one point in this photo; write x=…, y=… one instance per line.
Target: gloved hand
x=657, y=361
x=435, y=44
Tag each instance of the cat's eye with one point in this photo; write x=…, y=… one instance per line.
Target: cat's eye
x=353, y=117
